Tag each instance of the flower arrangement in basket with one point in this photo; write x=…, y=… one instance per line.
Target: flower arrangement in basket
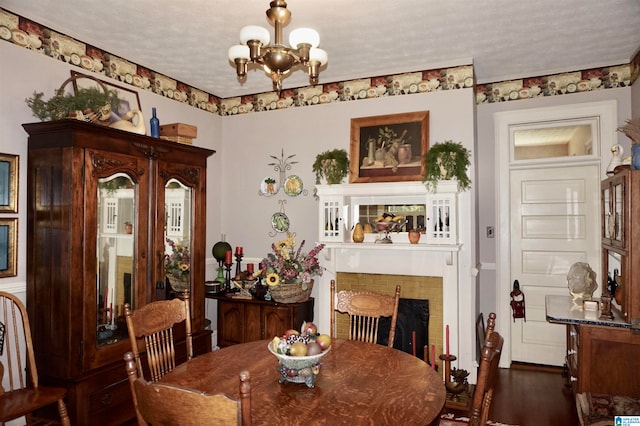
x=177, y=265
x=289, y=272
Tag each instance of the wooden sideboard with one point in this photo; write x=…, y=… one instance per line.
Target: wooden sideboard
x=602, y=355
x=603, y=360
x=244, y=320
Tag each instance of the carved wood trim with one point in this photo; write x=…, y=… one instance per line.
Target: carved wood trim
x=190, y=174
x=105, y=164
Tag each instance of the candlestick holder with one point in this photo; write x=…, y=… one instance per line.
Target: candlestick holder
x=447, y=366
x=239, y=257
x=227, y=279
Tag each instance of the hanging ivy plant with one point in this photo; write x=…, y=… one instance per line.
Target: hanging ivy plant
x=332, y=165
x=446, y=161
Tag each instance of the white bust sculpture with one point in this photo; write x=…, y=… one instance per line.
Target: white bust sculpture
x=581, y=281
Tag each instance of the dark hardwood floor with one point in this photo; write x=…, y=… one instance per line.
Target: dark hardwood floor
x=532, y=396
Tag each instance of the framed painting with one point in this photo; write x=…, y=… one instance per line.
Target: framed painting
x=129, y=99
x=8, y=248
x=388, y=148
x=8, y=183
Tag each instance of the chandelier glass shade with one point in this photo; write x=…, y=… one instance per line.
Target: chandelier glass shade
x=277, y=59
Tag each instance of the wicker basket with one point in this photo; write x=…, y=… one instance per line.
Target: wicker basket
x=291, y=293
x=181, y=284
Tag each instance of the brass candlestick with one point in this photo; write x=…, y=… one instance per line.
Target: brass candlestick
x=447, y=366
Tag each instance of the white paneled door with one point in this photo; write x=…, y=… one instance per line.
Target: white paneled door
x=554, y=223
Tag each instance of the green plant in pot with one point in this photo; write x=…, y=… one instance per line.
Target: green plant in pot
x=61, y=105
x=332, y=165
x=446, y=160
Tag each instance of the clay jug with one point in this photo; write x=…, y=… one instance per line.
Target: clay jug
x=414, y=236
x=358, y=233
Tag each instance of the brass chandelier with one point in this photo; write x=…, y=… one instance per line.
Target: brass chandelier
x=278, y=59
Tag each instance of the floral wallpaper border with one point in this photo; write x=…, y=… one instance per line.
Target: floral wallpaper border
x=31, y=35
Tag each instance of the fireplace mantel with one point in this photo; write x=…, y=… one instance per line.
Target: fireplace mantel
x=438, y=254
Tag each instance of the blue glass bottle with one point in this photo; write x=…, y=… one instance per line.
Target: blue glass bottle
x=155, y=124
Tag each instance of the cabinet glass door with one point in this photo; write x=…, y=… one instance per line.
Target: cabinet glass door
x=177, y=232
x=618, y=211
x=115, y=286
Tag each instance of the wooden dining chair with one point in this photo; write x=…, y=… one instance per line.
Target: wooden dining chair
x=487, y=374
x=364, y=309
x=168, y=404
x=18, y=368
x=154, y=323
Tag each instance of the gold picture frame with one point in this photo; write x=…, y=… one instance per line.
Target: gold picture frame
x=388, y=148
x=8, y=247
x=9, y=183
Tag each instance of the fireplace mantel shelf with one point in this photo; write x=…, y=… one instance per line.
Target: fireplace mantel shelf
x=446, y=249
x=395, y=246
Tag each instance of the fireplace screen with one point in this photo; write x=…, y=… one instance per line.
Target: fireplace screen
x=413, y=317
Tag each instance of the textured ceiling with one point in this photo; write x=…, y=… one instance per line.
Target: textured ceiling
x=504, y=39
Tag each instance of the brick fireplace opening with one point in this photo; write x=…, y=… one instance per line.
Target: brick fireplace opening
x=412, y=287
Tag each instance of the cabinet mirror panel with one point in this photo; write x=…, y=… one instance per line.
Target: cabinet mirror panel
x=177, y=263
x=115, y=249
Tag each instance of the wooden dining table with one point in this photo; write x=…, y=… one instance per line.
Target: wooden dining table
x=358, y=384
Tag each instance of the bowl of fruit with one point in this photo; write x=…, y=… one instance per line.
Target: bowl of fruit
x=387, y=223
x=299, y=354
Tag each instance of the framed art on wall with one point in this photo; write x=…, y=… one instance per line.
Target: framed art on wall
x=8, y=247
x=8, y=183
x=388, y=148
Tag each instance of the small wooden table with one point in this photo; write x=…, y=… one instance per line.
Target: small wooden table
x=358, y=384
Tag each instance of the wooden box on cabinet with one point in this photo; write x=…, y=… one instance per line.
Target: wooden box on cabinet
x=241, y=321
x=74, y=208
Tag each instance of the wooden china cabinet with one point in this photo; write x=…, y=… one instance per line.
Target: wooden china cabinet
x=621, y=238
x=602, y=354
x=103, y=205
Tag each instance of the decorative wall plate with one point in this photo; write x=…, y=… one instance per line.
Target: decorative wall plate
x=293, y=186
x=280, y=222
x=268, y=186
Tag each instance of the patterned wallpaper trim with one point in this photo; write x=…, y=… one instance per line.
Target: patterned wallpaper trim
x=43, y=40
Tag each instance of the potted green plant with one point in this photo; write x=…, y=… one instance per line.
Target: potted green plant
x=84, y=101
x=446, y=161
x=332, y=165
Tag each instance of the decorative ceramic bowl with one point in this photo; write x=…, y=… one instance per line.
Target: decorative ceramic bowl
x=299, y=369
